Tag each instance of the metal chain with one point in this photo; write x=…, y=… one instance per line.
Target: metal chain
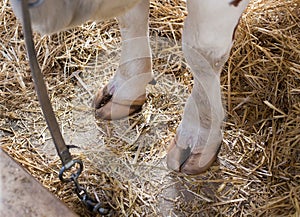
x=91, y=204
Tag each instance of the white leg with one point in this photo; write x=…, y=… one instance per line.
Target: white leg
x=207, y=40
x=126, y=91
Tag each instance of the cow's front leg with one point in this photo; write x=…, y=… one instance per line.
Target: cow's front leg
x=207, y=39
x=126, y=92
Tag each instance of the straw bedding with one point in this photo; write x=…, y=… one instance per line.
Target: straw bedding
x=258, y=169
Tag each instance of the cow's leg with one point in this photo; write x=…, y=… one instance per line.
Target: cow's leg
x=207, y=40
x=126, y=92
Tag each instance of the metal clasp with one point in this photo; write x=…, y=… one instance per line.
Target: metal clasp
x=67, y=167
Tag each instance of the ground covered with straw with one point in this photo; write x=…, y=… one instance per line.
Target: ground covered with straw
x=258, y=168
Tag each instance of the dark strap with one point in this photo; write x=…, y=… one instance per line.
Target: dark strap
x=41, y=89
x=61, y=148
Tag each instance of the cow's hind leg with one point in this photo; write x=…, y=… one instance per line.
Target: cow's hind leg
x=207, y=40
x=126, y=92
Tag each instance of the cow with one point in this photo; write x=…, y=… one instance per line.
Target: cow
x=207, y=39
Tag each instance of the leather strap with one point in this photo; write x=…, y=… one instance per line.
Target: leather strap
x=61, y=148
x=41, y=89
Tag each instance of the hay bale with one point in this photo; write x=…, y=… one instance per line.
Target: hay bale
x=258, y=171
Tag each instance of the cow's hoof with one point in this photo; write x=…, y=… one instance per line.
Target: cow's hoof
x=109, y=109
x=185, y=161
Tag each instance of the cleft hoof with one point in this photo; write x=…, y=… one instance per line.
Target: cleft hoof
x=107, y=108
x=185, y=161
